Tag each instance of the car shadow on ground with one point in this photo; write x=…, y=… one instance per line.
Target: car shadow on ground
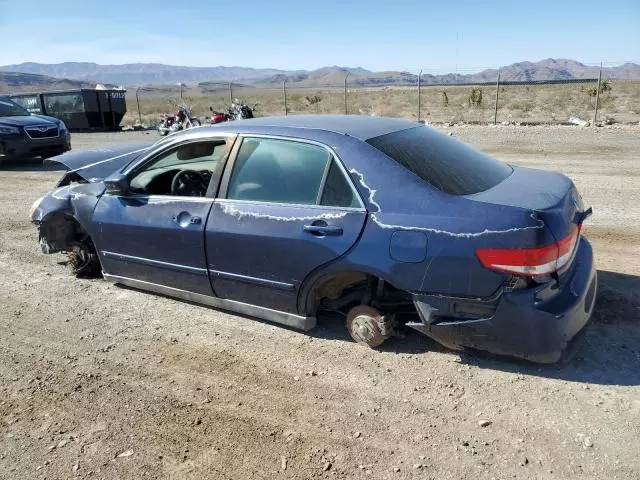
x=31, y=165
x=609, y=353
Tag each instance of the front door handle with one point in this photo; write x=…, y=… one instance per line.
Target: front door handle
x=322, y=230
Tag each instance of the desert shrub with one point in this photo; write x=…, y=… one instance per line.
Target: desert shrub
x=313, y=100
x=475, y=97
x=605, y=86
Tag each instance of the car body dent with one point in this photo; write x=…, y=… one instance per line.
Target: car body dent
x=541, y=334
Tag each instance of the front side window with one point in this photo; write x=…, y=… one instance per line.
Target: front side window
x=185, y=170
x=278, y=171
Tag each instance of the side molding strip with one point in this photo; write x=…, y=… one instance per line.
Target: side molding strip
x=284, y=318
x=154, y=263
x=254, y=280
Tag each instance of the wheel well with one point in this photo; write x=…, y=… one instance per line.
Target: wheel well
x=342, y=290
x=332, y=287
x=59, y=230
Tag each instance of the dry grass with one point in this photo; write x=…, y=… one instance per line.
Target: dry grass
x=518, y=103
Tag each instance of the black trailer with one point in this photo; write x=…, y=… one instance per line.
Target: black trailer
x=82, y=109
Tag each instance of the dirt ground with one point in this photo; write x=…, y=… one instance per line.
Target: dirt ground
x=103, y=382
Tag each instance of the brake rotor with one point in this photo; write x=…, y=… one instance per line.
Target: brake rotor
x=79, y=257
x=364, y=325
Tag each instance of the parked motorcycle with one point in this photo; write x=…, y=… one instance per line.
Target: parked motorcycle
x=182, y=119
x=218, y=117
x=240, y=110
x=237, y=111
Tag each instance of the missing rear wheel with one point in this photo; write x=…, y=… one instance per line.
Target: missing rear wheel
x=366, y=325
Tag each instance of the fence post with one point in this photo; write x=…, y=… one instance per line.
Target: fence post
x=138, y=103
x=345, y=92
x=284, y=96
x=495, y=112
x=419, y=96
x=595, y=113
x=230, y=93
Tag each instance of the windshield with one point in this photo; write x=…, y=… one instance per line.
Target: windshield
x=447, y=164
x=11, y=109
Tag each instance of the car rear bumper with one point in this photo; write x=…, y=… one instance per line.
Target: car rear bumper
x=534, y=324
x=15, y=146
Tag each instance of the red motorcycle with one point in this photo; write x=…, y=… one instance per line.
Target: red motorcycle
x=182, y=119
x=238, y=111
x=218, y=117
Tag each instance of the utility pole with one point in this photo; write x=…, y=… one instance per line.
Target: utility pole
x=345, y=92
x=595, y=113
x=419, y=99
x=138, y=102
x=495, y=112
x=284, y=96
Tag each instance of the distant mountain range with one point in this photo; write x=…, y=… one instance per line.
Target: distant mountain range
x=155, y=73
x=32, y=76
x=12, y=82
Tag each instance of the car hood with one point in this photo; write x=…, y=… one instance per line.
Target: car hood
x=27, y=120
x=96, y=164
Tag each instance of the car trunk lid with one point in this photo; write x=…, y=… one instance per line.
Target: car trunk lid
x=555, y=200
x=551, y=195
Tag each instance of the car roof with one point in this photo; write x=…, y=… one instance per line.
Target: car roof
x=358, y=126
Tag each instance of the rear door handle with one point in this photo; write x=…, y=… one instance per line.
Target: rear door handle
x=185, y=219
x=322, y=230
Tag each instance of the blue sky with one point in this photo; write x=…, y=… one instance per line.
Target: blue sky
x=438, y=36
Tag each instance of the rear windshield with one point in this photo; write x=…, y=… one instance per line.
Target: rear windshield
x=445, y=163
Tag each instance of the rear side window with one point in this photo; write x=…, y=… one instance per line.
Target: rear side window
x=278, y=171
x=337, y=190
x=445, y=163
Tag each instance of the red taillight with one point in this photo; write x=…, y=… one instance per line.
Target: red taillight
x=530, y=262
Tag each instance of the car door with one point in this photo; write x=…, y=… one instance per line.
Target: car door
x=155, y=233
x=285, y=208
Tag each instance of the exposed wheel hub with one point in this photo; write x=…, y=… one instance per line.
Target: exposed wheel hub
x=364, y=328
x=80, y=257
x=366, y=325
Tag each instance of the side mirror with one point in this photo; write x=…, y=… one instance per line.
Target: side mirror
x=211, y=108
x=117, y=184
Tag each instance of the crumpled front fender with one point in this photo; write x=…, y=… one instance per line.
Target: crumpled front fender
x=59, y=213
x=55, y=201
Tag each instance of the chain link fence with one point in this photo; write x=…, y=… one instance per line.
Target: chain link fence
x=580, y=101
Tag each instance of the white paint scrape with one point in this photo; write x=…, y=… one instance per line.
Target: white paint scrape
x=381, y=224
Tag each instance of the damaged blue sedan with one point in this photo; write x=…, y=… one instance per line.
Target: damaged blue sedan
x=386, y=221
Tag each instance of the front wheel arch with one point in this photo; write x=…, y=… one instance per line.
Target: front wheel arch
x=61, y=232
